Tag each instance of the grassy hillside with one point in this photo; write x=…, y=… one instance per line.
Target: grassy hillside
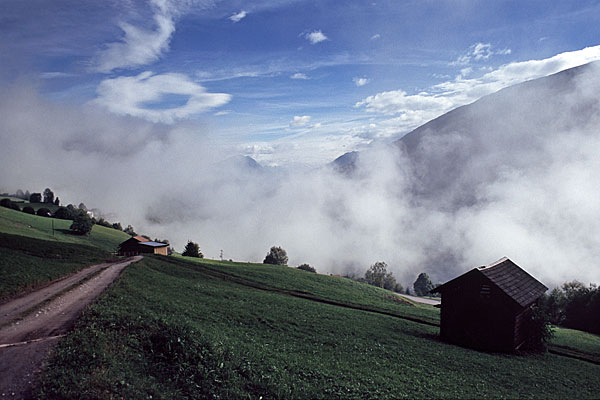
x=170, y=328
x=27, y=262
x=22, y=224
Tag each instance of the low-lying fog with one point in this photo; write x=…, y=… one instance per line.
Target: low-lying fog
x=525, y=185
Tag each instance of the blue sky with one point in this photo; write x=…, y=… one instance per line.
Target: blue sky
x=289, y=82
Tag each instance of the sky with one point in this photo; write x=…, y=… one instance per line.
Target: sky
x=141, y=110
x=289, y=82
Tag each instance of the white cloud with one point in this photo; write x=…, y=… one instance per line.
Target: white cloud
x=224, y=112
x=130, y=95
x=360, y=81
x=239, y=16
x=315, y=37
x=299, y=75
x=376, y=36
x=138, y=46
x=413, y=110
x=479, y=52
x=299, y=121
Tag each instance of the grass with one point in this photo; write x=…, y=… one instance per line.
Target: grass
x=171, y=328
x=26, y=262
x=319, y=287
x=19, y=223
x=576, y=344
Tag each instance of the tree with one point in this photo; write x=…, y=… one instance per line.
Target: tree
x=376, y=274
x=129, y=230
x=422, y=285
x=35, y=198
x=5, y=203
x=57, y=201
x=43, y=212
x=398, y=288
x=276, y=256
x=389, y=282
x=82, y=207
x=82, y=223
x=306, y=267
x=117, y=226
x=192, y=250
x=48, y=196
x=29, y=210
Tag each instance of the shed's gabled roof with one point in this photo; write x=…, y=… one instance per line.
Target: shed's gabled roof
x=140, y=238
x=514, y=281
x=517, y=284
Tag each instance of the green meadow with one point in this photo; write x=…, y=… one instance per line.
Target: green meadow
x=174, y=328
x=33, y=253
x=23, y=224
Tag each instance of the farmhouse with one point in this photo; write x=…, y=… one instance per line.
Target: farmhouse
x=140, y=245
x=487, y=307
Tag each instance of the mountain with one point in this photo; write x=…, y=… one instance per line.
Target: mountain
x=511, y=131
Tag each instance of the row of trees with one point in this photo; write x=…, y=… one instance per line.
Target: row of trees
x=573, y=305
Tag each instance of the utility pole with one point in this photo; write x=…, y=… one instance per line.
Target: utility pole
x=221, y=255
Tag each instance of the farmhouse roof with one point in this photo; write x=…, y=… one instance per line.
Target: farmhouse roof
x=153, y=244
x=508, y=277
x=140, y=239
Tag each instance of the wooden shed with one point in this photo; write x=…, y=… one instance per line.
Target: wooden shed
x=486, y=308
x=140, y=245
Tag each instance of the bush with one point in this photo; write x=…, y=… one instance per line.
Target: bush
x=29, y=210
x=8, y=203
x=82, y=223
x=43, y=212
x=306, y=267
x=276, y=256
x=538, y=329
x=63, y=213
x=192, y=250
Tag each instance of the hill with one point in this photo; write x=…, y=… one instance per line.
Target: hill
x=23, y=224
x=35, y=250
x=174, y=328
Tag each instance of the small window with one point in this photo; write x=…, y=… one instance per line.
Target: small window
x=486, y=291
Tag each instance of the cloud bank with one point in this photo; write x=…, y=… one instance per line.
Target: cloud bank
x=519, y=182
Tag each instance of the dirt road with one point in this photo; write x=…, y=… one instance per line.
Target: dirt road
x=30, y=325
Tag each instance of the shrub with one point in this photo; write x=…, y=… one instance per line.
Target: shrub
x=82, y=223
x=276, y=256
x=539, y=330
x=306, y=267
x=5, y=203
x=43, y=212
x=63, y=213
x=29, y=210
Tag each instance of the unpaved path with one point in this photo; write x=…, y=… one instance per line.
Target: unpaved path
x=25, y=342
x=423, y=300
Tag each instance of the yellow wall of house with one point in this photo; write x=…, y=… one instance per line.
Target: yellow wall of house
x=161, y=250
